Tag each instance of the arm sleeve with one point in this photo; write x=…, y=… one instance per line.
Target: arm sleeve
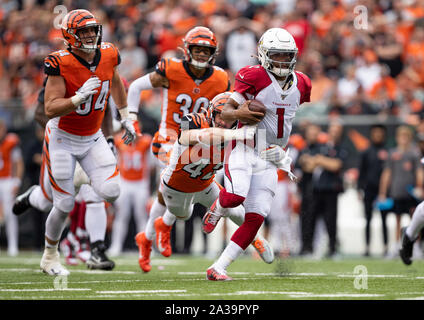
x=134, y=91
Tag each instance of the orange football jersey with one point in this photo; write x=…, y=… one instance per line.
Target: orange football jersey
x=6, y=146
x=87, y=118
x=133, y=159
x=192, y=168
x=186, y=93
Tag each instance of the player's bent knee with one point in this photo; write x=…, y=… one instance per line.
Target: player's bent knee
x=110, y=191
x=245, y=234
x=65, y=204
x=230, y=200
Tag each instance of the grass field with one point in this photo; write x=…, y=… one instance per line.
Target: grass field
x=183, y=278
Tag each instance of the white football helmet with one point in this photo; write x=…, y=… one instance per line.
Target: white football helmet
x=277, y=42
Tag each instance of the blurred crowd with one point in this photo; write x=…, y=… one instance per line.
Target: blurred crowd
x=365, y=57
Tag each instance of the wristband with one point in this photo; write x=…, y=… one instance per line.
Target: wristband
x=76, y=100
x=123, y=112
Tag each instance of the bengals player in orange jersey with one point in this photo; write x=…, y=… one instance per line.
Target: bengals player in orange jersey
x=135, y=166
x=80, y=80
x=11, y=172
x=189, y=177
x=188, y=86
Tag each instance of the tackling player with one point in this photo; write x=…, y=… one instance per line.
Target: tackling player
x=249, y=178
x=189, y=178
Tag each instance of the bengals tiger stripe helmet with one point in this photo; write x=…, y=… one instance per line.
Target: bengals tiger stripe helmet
x=216, y=106
x=200, y=36
x=77, y=20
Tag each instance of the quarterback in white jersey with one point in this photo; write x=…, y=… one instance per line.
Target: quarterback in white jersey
x=250, y=171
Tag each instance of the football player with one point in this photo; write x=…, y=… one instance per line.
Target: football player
x=11, y=172
x=250, y=170
x=189, y=177
x=135, y=164
x=80, y=80
x=188, y=86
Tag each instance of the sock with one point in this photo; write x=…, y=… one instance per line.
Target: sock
x=417, y=222
x=230, y=200
x=169, y=218
x=55, y=223
x=39, y=201
x=95, y=221
x=157, y=211
x=245, y=234
x=230, y=253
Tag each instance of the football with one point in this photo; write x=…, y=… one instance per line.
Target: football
x=257, y=106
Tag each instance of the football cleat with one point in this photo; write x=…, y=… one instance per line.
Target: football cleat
x=50, y=263
x=98, y=259
x=210, y=219
x=407, y=247
x=163, y=237
x=68, y=252
x=22, y=202
x=213, y=275
x=144, y=249
x=264, y=249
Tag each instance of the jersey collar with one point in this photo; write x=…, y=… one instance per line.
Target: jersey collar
x=206, y=75
x=90, y=66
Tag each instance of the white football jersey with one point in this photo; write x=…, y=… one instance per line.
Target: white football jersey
x=255, y=82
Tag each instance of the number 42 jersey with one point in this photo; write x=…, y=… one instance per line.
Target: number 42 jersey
x=86, y=120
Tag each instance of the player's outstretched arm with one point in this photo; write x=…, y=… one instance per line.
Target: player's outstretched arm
x=54, y=102
x=146, y=82
x=213, y=136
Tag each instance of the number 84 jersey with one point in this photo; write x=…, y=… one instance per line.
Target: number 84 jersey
x=192, y=168
x=87, y=118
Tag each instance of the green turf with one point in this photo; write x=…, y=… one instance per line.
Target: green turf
x=183, y=277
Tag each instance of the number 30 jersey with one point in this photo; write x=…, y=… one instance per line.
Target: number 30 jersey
x=192, y=168
x=186, y=93
x=87, y=118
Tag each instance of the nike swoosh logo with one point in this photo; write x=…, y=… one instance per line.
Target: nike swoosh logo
x=241, y=76
x=208, y=191
x=96, y=139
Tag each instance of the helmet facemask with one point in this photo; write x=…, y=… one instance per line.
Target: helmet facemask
x=97, y=39
x=198, y=64
x=278, y=61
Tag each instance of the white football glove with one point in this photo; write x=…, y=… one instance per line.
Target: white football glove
x=244, y=133
x=284, y=164
x=87, y=89
x=274, y=153
x=128, y=124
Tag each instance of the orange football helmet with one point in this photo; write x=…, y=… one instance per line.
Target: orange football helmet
x=74, y=22
x=216, y=105
x=204, y=37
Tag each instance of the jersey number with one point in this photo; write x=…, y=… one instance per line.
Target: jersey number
x=132, y=161
x=85, y=108
x=280, y=114
x=186, y=102
x=195, y=169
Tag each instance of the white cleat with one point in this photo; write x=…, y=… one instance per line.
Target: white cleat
x=50, y=263
x=264, y=249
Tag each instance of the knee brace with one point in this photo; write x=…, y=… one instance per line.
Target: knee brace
x=245, y=234
x=229, y=200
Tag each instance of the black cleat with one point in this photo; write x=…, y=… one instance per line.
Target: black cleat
x=98, y=259
x=407, y=245
x=22, y=202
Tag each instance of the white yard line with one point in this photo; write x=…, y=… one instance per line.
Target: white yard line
x=140, y=291
x=44, y=289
